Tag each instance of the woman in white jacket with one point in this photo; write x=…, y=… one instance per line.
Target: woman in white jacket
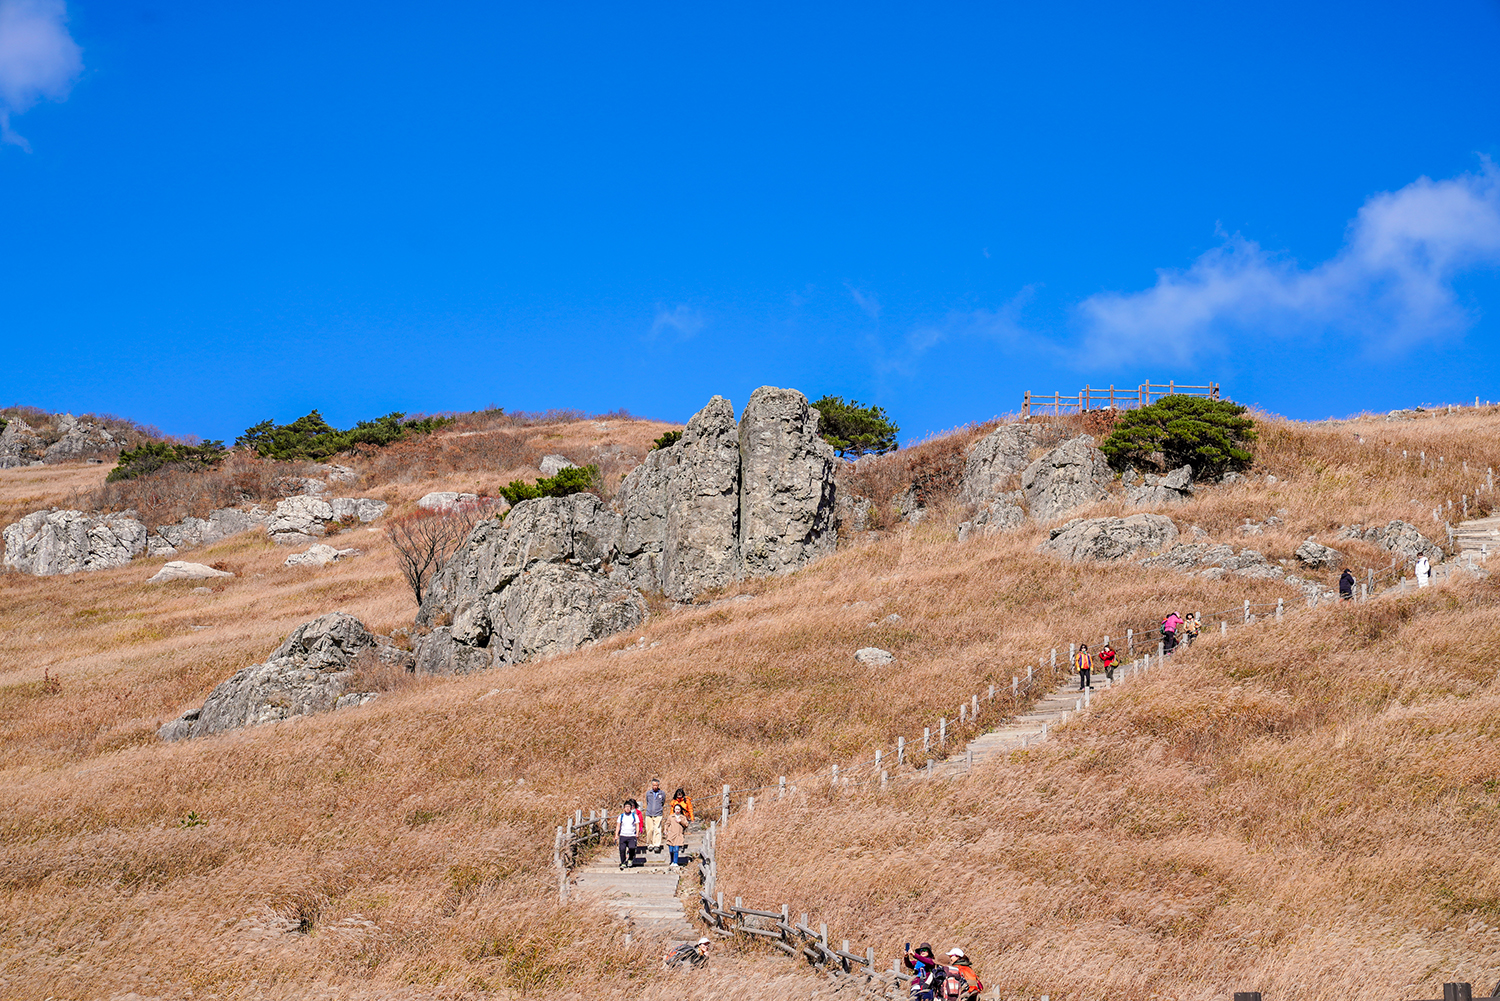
x=1424, y=571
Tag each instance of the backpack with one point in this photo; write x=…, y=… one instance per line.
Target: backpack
x=954, y=985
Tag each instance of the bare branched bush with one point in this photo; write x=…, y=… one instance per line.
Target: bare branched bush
x=171, y=494
x=424, y=540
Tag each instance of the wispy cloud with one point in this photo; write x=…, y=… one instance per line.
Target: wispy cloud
x=1390, y=286
x=1002, y=326
x=38, y=59
x=866, y=301
x=681, y=322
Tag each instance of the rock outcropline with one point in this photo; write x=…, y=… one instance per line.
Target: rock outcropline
x=1071, y=475
x=308, y=673
x=728, y=500
x=190, y=532
x=1110, y=539
x=1399, y=537
x=62, y=542
x=1006, y=481
x=23, y=445
x=1215, y=559
x=300, y=520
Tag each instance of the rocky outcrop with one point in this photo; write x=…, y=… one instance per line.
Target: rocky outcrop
x=1071, y=475
x=787, y=488
x=1111, y=539
x=190, y=533
x=80, y=440
x=1173, y=488
x=20, y=445
x=63, y=542
x=1214, y=560
x=1318, y=557
x=551, y=465
x=319, y=555
x=300, y=520
x=994, y=461
x=726, y=501
x=446, y=500
x=1399, y=537
x=179, y=570
x=308, y=673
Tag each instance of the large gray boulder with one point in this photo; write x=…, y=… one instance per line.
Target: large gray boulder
x=63, y=542
x=180, y=570
x=308, y=673
x=551, y=609
x=364, y=509
x=1112, y=539
x=20, y=445
x=1173, y=488
x=995, y=460
x=787, y=490
x=702, y=488
x=1319, y=557
x=298, y=520
x=1071, y=475
x=551, y=465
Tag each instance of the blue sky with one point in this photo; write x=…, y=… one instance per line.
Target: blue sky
x=218, y=213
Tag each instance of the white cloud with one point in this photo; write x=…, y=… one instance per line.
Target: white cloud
x=681, y=321
x=866, y=301
x=38, y=59
x=1390, y=286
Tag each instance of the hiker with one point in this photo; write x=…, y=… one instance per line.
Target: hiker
x=1191, y=627
x=969, y=986
x=1107, y=658
x=627, y=831
x=695, y=955
x=1084, y=664
x=676, y=829
x=1346, y=585
x=1424, y=571
x=656, y=802
x=682, y=799
x=926, y=972
x=1169, y=631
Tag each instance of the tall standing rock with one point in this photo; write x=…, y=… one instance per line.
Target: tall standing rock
x=1071, y=475
x=702, y=527
x=787, y=489
x=993, y=461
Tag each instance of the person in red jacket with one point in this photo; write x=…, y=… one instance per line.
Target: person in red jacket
x=1107, y=659
x=959, y=964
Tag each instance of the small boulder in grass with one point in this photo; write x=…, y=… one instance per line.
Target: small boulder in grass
x=181, y=570
x=319, y=555
x=1319, y=557
x=873, y=655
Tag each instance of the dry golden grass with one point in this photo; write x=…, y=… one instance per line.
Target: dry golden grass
x=1251, y=787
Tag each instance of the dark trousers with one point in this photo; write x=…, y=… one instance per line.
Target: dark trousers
x=627, y=849
x=1084, y=681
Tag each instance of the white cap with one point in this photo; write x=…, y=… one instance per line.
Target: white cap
x=955, y=951
x=703, y=941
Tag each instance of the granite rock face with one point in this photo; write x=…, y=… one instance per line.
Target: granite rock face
x=1071, y=475
x=1112, y=539
x=191, y=532
x=560, y=572
x=551, y=465
x=787, y=489
x=301, y=519
x=308, y=673
x=1173, y=488
x=994, y=461
x=80, y=440
x=63, y=542
x=319, y=555
x=20, y=445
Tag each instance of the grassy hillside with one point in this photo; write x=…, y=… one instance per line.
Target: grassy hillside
x=1266, y=809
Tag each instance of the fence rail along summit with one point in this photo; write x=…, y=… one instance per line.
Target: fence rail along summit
x=1111, y=398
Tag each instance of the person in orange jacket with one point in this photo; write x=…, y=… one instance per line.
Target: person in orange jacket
x=682, y=799
x=959, y=964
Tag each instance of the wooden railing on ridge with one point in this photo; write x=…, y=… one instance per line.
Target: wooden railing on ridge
x=1110, y=399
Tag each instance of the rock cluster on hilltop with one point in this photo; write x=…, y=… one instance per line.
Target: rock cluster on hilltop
x=71, y=440
x=310, y=672
x=1007, y=481
x=64, y=542
x=729, y=500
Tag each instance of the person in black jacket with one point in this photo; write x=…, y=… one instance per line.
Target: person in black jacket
x=1346, y=585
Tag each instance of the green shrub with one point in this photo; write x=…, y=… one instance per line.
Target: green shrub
x=855, y=430
x=667, y=440
x=312, y=437
x=573, y=480
x=153, y=455
x=1210, y=435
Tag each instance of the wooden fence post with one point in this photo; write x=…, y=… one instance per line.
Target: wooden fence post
x=1014, y=682
x=877, y=760
x=943, y=731
x=781, y=787
x=1247, y=609
x=835, y=779
x=1025, y=405
x=992, y=693
x=724, y=808
x=1223, y=627
x=900, y=750
x=1130, y=642
x=1054, y=658
x=929, y=768
x=926, y=740
x=1278, y=609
